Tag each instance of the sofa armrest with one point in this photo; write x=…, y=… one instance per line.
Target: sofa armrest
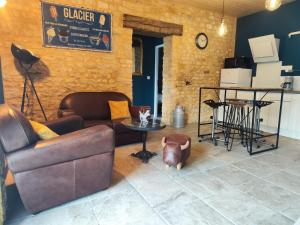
x=134, y=110
x=66, y=124
x=65, y=112
x=79, y=144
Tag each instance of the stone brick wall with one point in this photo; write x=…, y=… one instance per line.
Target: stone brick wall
x=65, y=71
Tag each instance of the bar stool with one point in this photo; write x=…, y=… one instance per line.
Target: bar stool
x=215, y=106
x=257, y=121
x=236, y=122
x=259, y=105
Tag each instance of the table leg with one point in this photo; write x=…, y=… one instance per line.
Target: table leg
x=144, y=155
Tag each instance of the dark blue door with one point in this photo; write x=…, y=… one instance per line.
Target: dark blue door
x=143, y=86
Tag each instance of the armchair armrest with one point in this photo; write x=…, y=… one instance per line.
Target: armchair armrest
x=65, y=112
x=134, y=110
x=79, y=144
x=66, y=124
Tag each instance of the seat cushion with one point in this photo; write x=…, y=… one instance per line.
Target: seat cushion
x=128, y=138
x=91, y=123
x=119, y=127
x=123, y=135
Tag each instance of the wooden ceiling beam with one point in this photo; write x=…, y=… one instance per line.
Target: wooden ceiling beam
x=141, y=24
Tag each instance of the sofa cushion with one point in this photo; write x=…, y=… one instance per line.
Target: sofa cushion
x=119, y=127
x=66, y=124
x=91, y=123
x=128, y=138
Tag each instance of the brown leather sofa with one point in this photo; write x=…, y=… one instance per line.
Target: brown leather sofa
x=93, y=107
x=51, y=172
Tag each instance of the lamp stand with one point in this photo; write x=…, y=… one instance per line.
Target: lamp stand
x=28, y=77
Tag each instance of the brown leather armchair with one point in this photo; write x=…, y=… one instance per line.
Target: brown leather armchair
x=51, y=172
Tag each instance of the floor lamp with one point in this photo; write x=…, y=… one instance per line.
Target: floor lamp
x=26, y=60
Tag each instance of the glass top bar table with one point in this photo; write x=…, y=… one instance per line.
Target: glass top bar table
x=254, y=91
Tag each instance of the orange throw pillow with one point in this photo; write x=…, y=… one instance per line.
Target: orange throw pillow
x=9, y=178
x=119, y=109
x=43, y=131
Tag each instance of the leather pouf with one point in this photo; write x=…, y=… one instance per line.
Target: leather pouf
x=176, y=149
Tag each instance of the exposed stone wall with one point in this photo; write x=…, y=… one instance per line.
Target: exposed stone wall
x=66, y=71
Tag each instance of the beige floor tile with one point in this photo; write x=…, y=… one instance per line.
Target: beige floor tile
x=76, y=214
x=279, y=161
x=231, y=174
x=242, y=209
x=256, y=168
x=286, y=180
x=124, y=209
x=274, y=197
x=210, y=185
x=194, y=213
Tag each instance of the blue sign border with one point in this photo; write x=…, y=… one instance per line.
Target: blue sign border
x=65, y=46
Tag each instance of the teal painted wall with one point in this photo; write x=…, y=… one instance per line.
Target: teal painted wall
x=142, y=88
x=280, y=22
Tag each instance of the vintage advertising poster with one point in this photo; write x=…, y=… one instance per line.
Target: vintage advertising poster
x=77, y=28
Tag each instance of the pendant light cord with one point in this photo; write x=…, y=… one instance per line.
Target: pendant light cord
x=223, y=12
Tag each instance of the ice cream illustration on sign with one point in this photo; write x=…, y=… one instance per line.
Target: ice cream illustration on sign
x=53, y=12
x=102, y=20
x=63, y=35
x=51, y=34
x=95, y=40
x=105, y=40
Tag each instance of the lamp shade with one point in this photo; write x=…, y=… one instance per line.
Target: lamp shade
x=272, y=5
x=222, y=28
x=23, y=55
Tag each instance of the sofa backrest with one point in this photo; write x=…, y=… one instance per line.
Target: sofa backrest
x=92, y=105
x=16, y=131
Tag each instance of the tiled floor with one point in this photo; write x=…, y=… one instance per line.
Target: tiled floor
x=215, y=187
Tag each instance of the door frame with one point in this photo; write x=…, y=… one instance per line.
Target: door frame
x=157, y=48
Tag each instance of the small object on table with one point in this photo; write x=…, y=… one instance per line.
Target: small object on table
x=137, y=125
x=176, y=149
x=144, y=117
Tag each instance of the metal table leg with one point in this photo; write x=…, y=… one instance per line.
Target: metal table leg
x=144, y=155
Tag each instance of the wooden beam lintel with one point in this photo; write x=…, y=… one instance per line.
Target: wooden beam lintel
x=152, y=26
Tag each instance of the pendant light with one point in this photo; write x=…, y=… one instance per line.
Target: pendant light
x=2, y=3
x=272, y=5
x=223, y=28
